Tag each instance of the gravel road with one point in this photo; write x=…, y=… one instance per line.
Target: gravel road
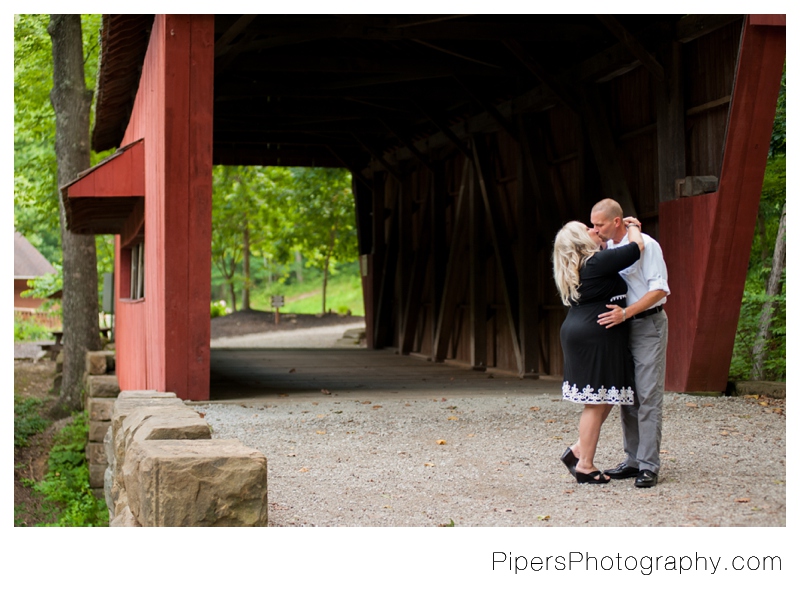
x=493, y=460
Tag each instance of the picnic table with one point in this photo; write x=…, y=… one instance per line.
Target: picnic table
x=56, y=347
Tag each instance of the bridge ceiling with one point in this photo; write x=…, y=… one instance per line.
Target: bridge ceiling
x=343, y=90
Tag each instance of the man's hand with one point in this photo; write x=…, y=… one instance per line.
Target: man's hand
x=612, y=317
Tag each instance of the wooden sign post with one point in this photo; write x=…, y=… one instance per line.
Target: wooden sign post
x=277, y=302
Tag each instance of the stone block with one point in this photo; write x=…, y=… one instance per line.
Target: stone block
x=768, y=388
x=102, y=386
x=96, y=363
x=96, y=475
x=97, y=430
x=108, y=491
x=157, y=422
x=196, y=483
x=124, y=519
x=124, y=406
x=98, y=493
x=100, y=408
x=356, y=333
x=111, y=360
x=146, y=394
x=108, y=448
x=96, y=454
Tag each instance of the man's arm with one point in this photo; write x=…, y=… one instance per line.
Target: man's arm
x=616, y=316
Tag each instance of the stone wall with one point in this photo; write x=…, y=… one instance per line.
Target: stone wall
x=165, y=470
x=99, y=394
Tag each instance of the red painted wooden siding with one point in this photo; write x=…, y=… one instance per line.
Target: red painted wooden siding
x=163, y=340
x=119, y=177
x=706, y=239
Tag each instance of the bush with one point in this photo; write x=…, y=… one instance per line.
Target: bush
x=218, y=309
x=67, y=480
x=775, y=358
x=30, y=331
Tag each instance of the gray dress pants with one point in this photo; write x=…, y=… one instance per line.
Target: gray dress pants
x=641, y=422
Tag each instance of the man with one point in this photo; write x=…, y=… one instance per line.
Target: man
x=647, y=293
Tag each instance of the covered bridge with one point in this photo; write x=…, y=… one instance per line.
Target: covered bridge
x=471, y=139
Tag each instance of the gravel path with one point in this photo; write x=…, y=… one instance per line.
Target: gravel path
x=493, y=460
x=313, y=337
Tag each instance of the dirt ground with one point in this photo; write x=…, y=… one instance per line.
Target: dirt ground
x=242, y=323
x=33, y=379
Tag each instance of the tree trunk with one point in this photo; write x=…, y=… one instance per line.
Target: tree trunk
x=773, y=289
x=325, y=282
x=298, y=266
x=71, y=101
x=246, y=267
x=325, y=269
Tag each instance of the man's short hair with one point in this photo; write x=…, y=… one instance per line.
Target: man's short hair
x=609, y=207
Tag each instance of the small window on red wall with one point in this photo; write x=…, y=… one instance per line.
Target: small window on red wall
x=137, y=271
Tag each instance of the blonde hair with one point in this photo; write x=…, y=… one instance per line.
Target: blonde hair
x=572, y=247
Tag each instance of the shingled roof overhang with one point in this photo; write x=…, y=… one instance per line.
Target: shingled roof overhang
x=355, y=90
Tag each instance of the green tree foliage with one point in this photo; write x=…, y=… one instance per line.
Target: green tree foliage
x=271, y=213
x=247, y=220
x=773, y=202
x=323, y=218
x=35, y=174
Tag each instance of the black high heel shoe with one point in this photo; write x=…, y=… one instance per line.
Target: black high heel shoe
x=570, y=460
x=590, y=478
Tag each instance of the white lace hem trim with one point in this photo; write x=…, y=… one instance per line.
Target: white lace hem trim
x=588, y=395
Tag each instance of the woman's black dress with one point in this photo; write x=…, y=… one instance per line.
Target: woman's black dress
x=598, y=367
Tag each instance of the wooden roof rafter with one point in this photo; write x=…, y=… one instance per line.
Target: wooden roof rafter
x=408, y=84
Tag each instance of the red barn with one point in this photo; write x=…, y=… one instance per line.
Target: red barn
x=471, y=140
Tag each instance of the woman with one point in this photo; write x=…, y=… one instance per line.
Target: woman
x=598, y=368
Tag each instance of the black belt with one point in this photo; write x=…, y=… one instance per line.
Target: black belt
x=647, y=313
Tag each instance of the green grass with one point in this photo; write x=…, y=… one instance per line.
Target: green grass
x=344, y=292
x=66, y=484
x=30, y=331
x=27, y=419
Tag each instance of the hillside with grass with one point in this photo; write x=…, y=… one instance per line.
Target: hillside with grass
x=344, y=291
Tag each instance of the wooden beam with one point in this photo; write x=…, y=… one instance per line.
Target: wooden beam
x=478, y=305
x=488, y=108
x=408, y=142
x=378, y=251
x=447, y=308
x=598, y=131
x=362, y=198
x=439, y=200
x=379, y=157
x=506, y=269
x=528, y=271
x=670, y=126
x=444, y=128
x=419, y=267
x=403, y=209
x=632, y=43
x=536, y=169
x=354, y=170
x=559, y=88
x=693, y=26
x=387, y=274
x=362, y=64
x=222, y=45
x=457, y=54
x=709, y=105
